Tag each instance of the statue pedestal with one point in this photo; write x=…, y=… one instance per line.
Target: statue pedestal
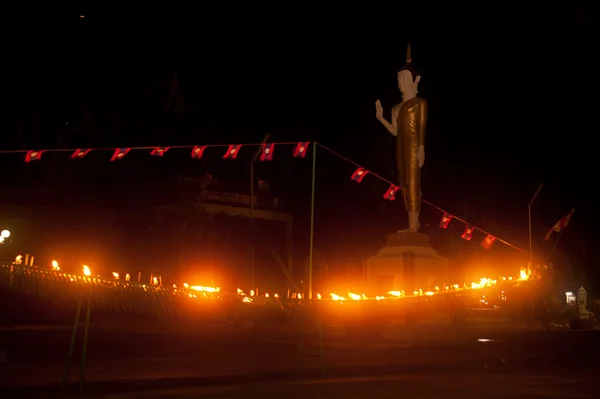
x=407, y=262
x=583, y=320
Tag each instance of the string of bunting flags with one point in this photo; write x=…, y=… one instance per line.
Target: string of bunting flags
x=267, y=150
x=266, y=154
x=392, y=191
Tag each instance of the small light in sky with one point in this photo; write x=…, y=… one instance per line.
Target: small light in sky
x=82, y=16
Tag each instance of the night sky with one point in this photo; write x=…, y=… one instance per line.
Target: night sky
x=511, y=96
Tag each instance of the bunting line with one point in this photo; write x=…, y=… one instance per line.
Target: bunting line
x=149, y=148
x=390, y=194
x=267, y=150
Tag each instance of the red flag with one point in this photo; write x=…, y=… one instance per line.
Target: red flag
x=33, y=156
x=267, y=152
x=561, y=224
x=159, y=151
x=120, y=153
x=488, y=241
x=300, y=149
x=79, y=153
x=232, y=151
x=359, y=174
x=468, y=234
x=198, y=151
x=445, y=220
x=390, y=194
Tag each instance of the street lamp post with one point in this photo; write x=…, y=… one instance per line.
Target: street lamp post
x=530, y=235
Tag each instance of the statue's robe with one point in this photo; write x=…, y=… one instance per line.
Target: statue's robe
x=411, y=122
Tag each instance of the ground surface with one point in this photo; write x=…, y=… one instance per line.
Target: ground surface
x=422, y=386
x=433, y=361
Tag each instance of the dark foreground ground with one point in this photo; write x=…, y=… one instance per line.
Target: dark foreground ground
x=471, y=384
x=407, y=385
x=424, y=362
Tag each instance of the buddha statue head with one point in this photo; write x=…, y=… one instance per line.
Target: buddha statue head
x=408, y=77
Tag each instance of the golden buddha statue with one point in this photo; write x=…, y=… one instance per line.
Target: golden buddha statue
x=409, y=121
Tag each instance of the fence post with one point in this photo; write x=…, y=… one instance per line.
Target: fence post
x=320, y=329
x=72, y=345
x=300, y=338
x=85, y=345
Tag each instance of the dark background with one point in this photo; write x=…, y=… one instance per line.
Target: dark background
x=511, y=91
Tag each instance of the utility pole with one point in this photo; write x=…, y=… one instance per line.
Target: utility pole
x=530, y=234
x=312, y=222
x=256, y=155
